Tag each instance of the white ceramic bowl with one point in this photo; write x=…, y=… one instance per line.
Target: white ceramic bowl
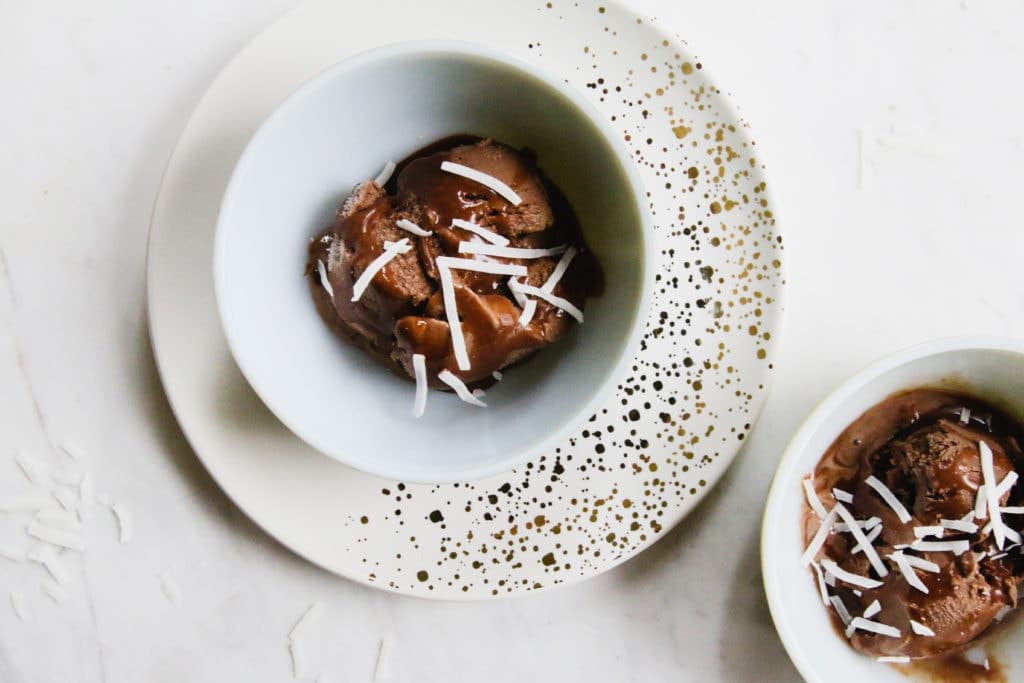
x=992, y=369
x=338, y=130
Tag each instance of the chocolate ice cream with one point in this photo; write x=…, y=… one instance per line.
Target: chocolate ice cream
x=457, y=209
x=943, y=562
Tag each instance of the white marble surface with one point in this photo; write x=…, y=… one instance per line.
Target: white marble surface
x=892, y=132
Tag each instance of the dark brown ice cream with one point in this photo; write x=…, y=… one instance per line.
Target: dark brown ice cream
x=402, y=312
x=923, y=447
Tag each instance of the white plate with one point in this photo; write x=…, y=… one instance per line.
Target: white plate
x=986, y=367
x=645, y=459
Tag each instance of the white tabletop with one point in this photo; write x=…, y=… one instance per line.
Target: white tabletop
x=891, y=131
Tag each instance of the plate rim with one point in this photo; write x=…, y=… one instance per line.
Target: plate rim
x=713, y=479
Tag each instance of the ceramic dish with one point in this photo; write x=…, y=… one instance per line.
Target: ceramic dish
x=652, y=451
x=993, y=369
x=325, y=390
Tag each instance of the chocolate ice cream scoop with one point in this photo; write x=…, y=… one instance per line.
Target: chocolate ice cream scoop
x=472, y=213
x=935, y=562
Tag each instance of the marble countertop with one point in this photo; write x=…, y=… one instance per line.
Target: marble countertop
x=893, y=141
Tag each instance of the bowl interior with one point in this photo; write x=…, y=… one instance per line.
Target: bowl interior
x=339, y=130
x=994, y=372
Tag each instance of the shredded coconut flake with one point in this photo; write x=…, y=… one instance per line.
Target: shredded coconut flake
x=870, y=536
x=71, y=449
x=988, y=474
x=497, y=375
x=959, y=525
x=812, y=498
x=1012, y=510
x=869, y=550
x=872, y=609
x=48, y=558
x=1005, y=485
x=842, y=496
x=508, y=252
x=908, y=572
x=460, y=388
x=125, y=523
x=530, y=309
x=925, y=531
x=67, y=499
x=965, y=415
x=862, y=624
x=819, y=538
x=849, y=577
x=419, y=367
x=34, y=470
x=895, y=659
x=382, y=669
x=484, y=179
x=56, y=536
x=921, y=563
x=955, y=547
x=385, y=175
x=844, y=614
x=453, y=263
x=556, y=301
x=324, y=280
x=822, y=589
x=309, y=617
x=53, y=591
x=411, y=227
x=18, y=605
x=391, y=250
x=169, y=588
x=890, y=499
x=981, y=503
x=489, y=235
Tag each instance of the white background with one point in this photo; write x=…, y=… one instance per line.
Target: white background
x=892, y=131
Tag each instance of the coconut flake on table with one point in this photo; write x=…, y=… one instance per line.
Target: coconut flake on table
x=497, y=251
x=961, y=525
x=955, y=547
x=419, y=368
x=479, y=230
x=842, y=496
x=295, y=649
x=849, y=577
x=556, y=301
x=410, y=227
x=49, y=560
x=36, y=471
x=484, y=179
x=869, y=550
x=391, y=250
x=125, y=522
x=71, y=449
x=321, y=269
x=67, y=499
x=925, y=531
x=445, y=265
x=893, y=659
x=870, y=536
x=26, y=503
x=889, y=497
x=844, y=614
x=53, y=591
x=989, y=477
x=460, y=388
x=12, y=553
x=872, y=609
x=382, y=669
x=862, y=624
x=56, y=536
x=18, y=605
x=824, y=529
x=908, y=571
x=385, y=175
x=530, y=309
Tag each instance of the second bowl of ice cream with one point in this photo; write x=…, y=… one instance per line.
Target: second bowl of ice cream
x=381, y=281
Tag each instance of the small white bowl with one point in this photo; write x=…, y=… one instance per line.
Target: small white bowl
x=990, y=368
x=338, y=130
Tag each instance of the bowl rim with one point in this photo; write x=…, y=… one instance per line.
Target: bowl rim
x=770, y=552
x=561, y=87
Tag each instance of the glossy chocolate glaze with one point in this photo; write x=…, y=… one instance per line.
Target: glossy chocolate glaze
x=915, y=443
x=402, y=312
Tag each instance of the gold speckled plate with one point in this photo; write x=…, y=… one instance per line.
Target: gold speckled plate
x=642, y=462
